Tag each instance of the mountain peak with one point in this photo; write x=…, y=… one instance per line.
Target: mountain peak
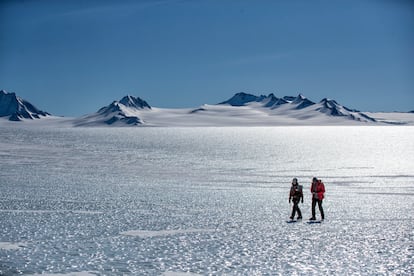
x=17, y=108
x=270, y=100
x=135, y=102
x=332, y=104
x=300, y=97
x=126, y=111
x=241, y=98
x=328, y=101
x=4, y=92
x=302, y=102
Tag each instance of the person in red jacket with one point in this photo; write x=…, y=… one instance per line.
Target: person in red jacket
x=318, y=191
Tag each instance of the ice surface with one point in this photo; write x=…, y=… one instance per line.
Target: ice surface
x=12, y=245
x=172, y=273
x=150, y=234
x=79, y=273
x=51, y=211
x=199, y=201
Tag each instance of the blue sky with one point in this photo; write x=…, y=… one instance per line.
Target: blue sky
x=73, y=57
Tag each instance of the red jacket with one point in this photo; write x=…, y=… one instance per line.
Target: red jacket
x=319, y=189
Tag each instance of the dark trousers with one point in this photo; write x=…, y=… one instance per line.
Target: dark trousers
x=314, y=201
x=296, y=209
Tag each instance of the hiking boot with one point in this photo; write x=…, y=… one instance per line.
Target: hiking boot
x=299, y=218
x=312, y=218
x=291, y=218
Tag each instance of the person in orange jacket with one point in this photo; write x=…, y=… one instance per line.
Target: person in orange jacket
x=318, y=191
x=295, y=195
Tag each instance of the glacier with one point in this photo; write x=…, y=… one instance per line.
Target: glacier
x=204, y=201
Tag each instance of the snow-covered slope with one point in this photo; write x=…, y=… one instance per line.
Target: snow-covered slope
x=17, y=109
x=395, y=118
x=125, y=112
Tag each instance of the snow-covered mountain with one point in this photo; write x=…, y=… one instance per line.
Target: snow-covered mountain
x=118, y=113
x=242, y=98
x=17, y=109
x=242, y=109
x=332, y=108
x=290, y=106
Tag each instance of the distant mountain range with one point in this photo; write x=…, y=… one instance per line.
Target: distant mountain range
x=135, y=111
x=242, y=109
x=326, y=106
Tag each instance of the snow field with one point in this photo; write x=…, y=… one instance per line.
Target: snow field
x=204, y=201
